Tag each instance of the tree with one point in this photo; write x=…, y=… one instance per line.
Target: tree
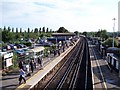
x=25, y=36
x=9, y=29
x=43, y=29
x=47, y=30
x=13, y=30
x=17, y=36
x=28, y=30
x=36, y=30
x=50, y=30
x=20, y=30
x=32, y=31
x=4, y=28
x=16, y=30
x=91, y=34
x=109, y=42
x=102, y=34
x=62, y=30
x=76, y=33
x=39, y=30
x=84, y=33
x=6, y=35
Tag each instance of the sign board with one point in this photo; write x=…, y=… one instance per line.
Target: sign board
x=8, y=57
x=8, y=62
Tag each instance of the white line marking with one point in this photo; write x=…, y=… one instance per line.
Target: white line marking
x=100, y=70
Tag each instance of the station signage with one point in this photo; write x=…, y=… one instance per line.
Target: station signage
x=8, y=57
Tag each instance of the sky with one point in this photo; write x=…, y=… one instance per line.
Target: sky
x=74, y=15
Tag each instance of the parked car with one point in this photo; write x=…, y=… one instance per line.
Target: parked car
x=20, y=45
x=20, y=51
x=13, y=46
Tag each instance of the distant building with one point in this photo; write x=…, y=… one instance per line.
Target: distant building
x=61, y=37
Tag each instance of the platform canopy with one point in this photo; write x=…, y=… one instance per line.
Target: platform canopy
x=36, y=49
x=113, y=50
x=57, y=39
x=63, y=34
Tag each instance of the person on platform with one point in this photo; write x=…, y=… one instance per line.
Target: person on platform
x=21, y=65
x=40, y=62
x=28, y=70
x=59, y=52
x=32, y=65
x=54, y=52
x=22, y=76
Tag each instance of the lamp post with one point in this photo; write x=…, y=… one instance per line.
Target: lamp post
x=113, y=36
x=113, y=31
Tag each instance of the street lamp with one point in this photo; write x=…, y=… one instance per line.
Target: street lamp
x=113, y=31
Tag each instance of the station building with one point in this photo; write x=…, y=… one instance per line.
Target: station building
x=56, y=37
x=62, y=39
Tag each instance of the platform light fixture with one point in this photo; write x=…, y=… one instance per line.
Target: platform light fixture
x=113, y=31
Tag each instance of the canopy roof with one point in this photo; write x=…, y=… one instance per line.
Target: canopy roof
x=63, y=34
x=36, y=49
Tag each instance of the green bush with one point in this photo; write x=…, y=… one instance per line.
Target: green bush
x=27, y=43
x=109, y=42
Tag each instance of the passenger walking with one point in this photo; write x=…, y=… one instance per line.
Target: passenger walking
x=63, y=48
x=22, y=76
x=54, y=53
x=21, y=65
x=31, y=65
x=28, y=70
x=34, y=63
x=40, y=62
x=59, y=52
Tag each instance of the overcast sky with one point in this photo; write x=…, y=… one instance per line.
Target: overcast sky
x=74, y=15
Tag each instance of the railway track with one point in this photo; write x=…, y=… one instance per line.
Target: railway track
x=84, y=80
x=74, y=73
x=60, y=75
x=70, y=77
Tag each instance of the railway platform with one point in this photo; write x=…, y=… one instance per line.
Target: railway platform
x=32, y=81
x=102, y=76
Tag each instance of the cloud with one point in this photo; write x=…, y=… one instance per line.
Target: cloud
x=74, y=15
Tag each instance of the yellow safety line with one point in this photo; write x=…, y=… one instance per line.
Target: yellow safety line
x=23, y=85
x=92, y=75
